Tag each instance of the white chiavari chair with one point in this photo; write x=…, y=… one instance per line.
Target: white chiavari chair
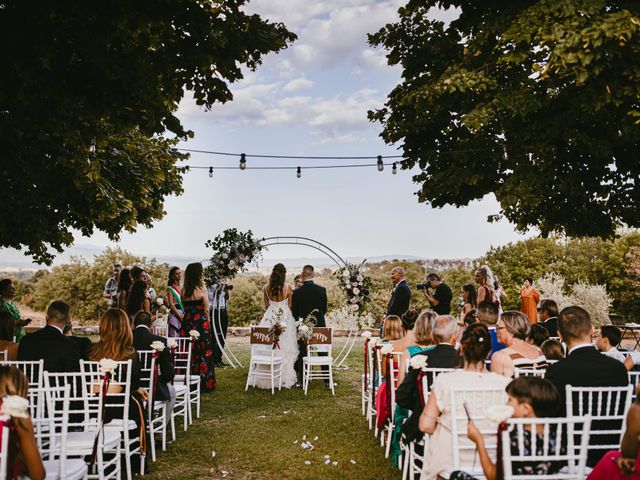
x=182, y=367
x=318, y=363
x=156, y=410
x=185, y=377
x=265, y=361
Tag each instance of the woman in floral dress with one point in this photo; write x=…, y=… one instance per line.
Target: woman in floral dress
x=196, y=308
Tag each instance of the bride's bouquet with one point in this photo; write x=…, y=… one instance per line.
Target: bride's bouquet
x=304, y=326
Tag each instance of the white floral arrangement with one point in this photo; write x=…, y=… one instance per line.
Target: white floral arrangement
x=366, y=334
x=305, y=325
x=418, y=362
x=375, y=341
x=171, y=343
x=386, y=349
x=345, y=317
x=304, y=333
x=355, y=284
x=160, y=301
x=157, y=345
x=194, y=334
x=107, y=365
x=15, y=406
x=233, y=252
x=499, y=413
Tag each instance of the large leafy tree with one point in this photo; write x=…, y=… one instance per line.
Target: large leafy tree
x=88, y=95
x=537, y=102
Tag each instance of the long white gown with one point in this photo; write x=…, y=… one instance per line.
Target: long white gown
x=288, y=343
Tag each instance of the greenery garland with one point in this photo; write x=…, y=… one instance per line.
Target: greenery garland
x=233, y=251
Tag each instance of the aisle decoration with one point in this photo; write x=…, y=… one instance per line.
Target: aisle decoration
x=346, y=317
x=233, y=251
x=278, y=327
x=305, y=326
x=356, y=285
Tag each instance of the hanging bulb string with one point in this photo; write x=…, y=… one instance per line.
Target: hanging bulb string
x=292, y=157
x=280, y=167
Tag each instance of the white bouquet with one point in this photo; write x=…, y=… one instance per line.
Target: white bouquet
x=194, y=334
x=160, y=301
x=366, y=334
x=171, y=343
x=499, y=413
x=107, y=365
x=386, y=349
x=304, y=333
x=15, y=406
x=157, y=345
x=418, y=362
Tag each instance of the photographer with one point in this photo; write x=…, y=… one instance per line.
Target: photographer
x=218, y=298
x=440, y=299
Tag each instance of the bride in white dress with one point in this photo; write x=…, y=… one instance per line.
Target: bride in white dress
x=277, y=297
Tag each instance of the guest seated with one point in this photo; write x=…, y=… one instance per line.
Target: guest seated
x=548, y=313
x=84, y=343
x=538, y=335
x=487, y=313
x=552, y=350
x=513, y=329
x=530, y=397
x=607, y=341
x=623, y=464
x=392, y=329
x=470, y=318
x=584, y=366
x=60, y=353
x=435, y=419
x=142, y=340
x=116, y=343
x=6, y=335
x=23, y=458
x=419, y=340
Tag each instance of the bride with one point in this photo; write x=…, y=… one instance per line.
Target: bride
x=277, y=297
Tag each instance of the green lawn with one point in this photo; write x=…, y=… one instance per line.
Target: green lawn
x=253, y=433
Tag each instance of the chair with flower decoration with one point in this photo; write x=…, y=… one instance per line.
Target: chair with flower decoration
x=319, y=344
x=157, y=414
x=266, y=361
x=182, y=367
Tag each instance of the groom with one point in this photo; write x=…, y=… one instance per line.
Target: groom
x=306, y=299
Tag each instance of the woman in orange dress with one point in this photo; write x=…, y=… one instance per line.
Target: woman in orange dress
x=530, y=300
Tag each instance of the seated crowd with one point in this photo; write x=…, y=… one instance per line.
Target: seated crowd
x=485, y=349
x=124, y=331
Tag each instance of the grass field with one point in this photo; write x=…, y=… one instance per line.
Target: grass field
x=254, y=434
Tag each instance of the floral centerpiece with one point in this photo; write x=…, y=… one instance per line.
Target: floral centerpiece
x=233, y=251
x=304, y=326
x=355, y=284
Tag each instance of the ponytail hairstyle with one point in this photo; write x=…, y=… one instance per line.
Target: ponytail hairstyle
x=475, y=343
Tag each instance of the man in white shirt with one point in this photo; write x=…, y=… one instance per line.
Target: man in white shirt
x=608, y=340
x=111, y=287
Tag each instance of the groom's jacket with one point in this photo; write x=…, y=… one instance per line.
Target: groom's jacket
x=307, y=298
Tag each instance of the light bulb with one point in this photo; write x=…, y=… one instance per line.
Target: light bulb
x=394, y=168
x=243, y=161
x=380, y=163
x=299, y=172
x=210, y=172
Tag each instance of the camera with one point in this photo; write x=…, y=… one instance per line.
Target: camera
x=422, y=286
x=228, y=287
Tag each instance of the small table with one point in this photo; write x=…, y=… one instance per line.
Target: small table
x=633, y=328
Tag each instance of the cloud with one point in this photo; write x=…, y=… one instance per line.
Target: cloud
x=297, y=84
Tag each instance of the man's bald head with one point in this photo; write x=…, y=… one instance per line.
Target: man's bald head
x=397, y=274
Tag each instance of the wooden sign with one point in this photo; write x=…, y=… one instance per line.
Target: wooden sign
x=321, y=336
x=260, y=336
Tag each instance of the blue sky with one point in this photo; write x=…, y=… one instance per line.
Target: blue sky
x=312, y=99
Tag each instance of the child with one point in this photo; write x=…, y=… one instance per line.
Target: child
x=552, y=350
x=538, y=335
x=608, y=340
x=530, y=397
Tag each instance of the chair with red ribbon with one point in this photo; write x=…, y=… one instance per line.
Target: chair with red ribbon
x=156, y=410
x=182, y=366
x=266, y=361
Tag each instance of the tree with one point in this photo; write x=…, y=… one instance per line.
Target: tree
x=535, y=102
x=88, y=98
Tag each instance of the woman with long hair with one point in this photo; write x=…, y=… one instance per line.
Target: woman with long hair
x=196, y=317
x=23, y=457
x=116, y=343
x=124, y=286
x=469, y=302
x=174, y=301
x=486, y=292
x=530, y=299
x=277, y=290
x=138, y=299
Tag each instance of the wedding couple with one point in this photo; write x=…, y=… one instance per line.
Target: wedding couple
x=294, y=304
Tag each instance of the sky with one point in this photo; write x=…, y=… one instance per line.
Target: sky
x=312, y=99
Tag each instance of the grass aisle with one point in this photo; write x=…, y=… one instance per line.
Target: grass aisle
x=253, y=433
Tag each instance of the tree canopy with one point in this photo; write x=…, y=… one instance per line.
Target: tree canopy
x=88, y=97
x=537, y=102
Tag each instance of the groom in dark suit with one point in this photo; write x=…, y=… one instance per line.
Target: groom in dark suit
x=306, y=299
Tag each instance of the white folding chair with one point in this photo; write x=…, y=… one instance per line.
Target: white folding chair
x=464, y=450
x=3, y=355
x=529, y=372
x=182, y=366
x=162, y=330
x=119, y=396
x=266, y=361
x=58, y=466
x=633, y=380
x=604, y=404
x=320, y=344
x=374, y=381
x=554, y=433
x=157, y=414
x=365, y=393
x=84, y=408
x=392, y=376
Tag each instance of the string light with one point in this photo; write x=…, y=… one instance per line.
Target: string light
x=394, y=169
x=210, y=172
x=299, y=172
x=380, y=163
x=243, y=161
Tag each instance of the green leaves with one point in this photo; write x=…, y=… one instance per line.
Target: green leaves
x=555, y=83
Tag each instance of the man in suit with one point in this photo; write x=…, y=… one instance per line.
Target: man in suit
x=548, y=313
x=487, y=313
x=142, y=340
x=306, y=299
x=585, y=366
x=60, y=353
x=444, y=355
x=400, y=297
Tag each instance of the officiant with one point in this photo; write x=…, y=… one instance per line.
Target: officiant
x=401, y=295
x=218, y=299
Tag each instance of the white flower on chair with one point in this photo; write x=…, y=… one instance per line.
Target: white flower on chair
x=386, y=349
x=171, y=343
x=15, y=406
x=157, y=345
x=418, y=362
x=499, y=413
x=107, y=365
x=366, y=334
x=160, y=301
x=194, y=334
